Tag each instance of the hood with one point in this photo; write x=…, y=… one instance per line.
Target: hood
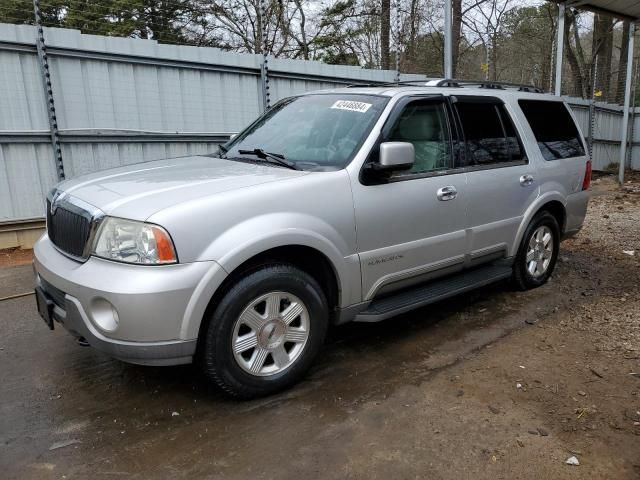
x=137, y=191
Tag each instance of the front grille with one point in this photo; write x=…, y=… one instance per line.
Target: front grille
x=68, y=230
x=56, y=294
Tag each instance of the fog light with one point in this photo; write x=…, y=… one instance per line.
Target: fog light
x=104, y=314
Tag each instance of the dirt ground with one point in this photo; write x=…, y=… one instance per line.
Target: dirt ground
x=10, y=257
x=497, y=384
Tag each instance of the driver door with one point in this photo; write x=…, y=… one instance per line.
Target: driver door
x=411, y=226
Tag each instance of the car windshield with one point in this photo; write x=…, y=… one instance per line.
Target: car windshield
x=312, y=132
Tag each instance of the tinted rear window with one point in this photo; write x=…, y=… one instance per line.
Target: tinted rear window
x=489, y=133
x=554, y=129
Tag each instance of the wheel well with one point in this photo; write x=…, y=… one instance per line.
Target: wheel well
x=305, y=258
x=312, y=261
x=556, y=209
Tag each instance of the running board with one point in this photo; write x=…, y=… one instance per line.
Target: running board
x=406, y=300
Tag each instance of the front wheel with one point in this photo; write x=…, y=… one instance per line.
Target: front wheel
x=538, y=252
x=265, y=332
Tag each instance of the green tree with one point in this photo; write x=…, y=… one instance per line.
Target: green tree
x=528, y=36
x=173, y=21
x=351, y=29
x=21, y=11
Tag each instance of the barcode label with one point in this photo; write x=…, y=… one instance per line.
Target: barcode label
x=352, y=106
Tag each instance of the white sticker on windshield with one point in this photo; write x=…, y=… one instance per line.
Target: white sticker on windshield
x=352, y=106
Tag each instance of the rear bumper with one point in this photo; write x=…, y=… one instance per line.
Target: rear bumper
x=576, y=210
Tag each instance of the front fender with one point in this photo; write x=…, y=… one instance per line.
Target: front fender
x=199, y=301
x=530, y=213
x=259, y=234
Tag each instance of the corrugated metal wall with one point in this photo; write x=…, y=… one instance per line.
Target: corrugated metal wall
x=121, y=101
x=606, y=132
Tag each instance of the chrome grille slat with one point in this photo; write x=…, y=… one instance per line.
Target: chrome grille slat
x=69, y=229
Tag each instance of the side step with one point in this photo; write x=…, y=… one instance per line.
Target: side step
x=406, y=300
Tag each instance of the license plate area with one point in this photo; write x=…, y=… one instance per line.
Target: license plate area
x=45, y=307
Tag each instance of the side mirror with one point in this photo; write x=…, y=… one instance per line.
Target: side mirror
x=396, y=156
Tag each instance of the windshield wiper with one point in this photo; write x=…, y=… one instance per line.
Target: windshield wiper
x=273, y=157
x=222, y=151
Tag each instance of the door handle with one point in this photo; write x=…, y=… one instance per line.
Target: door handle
x=526, y=180
x=447, y=193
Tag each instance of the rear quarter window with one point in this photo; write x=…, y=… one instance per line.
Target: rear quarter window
x=554, y=129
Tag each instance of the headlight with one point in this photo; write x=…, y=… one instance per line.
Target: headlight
x=133, y=242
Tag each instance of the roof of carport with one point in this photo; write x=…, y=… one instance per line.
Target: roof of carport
x=629, y=9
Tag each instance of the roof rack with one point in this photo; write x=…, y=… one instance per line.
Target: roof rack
x=452, y=83
x=487, y=84
x=417, y=83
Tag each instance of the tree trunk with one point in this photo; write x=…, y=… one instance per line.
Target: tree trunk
x=456, y=27
x=576, y=71
x=493, y=57
x=603, y=52
x=257, y=39
x=410, y=62
x=607, y=84
x=582, y=63
x=548, y=63
x=385, y=34
x=487, y=58
x=622, y=65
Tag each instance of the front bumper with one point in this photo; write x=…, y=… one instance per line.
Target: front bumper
x=132, y=312
x=73, y=317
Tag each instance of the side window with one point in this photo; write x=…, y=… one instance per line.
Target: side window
x=489, y=134
x=554, y=129
x=424, y=124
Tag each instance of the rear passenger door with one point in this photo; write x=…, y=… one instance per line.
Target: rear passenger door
x=501, y=181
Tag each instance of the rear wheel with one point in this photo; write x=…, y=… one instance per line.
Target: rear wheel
x=265, y=332
x=538, y=252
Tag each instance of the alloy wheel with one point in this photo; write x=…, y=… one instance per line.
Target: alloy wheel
x=270, y=334
x=540, y=251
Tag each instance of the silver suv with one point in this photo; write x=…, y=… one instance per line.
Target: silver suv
x=354, y=204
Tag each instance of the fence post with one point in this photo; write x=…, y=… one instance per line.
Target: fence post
x=592, y=126
x=592, y=107
x=397, y=4
x=48, y=91
x=448, y=41
x=632, y=116
x=559, y=49
x=627, y=101
x=264, y=67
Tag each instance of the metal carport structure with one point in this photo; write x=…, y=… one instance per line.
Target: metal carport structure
x=624, y=9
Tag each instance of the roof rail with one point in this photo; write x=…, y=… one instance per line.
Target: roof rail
x=417, y=83
x=452, y=83
x=447, y=82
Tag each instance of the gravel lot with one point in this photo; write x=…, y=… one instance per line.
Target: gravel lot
x=496, y=384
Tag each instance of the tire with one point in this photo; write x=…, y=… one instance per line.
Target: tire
x=275, y=309
x=533, y=255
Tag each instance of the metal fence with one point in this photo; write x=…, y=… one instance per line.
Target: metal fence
x=121, y=100
x=601, y=124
